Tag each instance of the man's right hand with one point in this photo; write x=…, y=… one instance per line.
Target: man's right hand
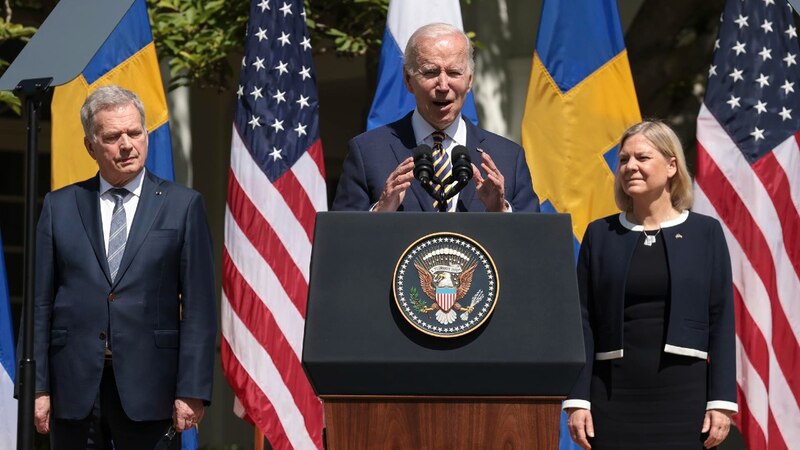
x=41, y=412
x=396, y=185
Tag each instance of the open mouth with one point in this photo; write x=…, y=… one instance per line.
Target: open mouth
x=442, y=103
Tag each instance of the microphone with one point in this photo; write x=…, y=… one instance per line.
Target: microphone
x=423, y=164
x=462, y=164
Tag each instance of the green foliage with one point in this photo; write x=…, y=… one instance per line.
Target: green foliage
x=348, y=27
x=195, y=37
x=12, y=31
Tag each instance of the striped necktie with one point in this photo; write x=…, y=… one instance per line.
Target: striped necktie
x=118, y=234
x=441, y=166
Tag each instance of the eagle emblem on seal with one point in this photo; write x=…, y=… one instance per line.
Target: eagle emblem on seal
x=445, y=277
x=445, y=285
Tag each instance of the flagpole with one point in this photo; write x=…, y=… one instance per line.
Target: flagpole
x=32, y=90
x=258, y=439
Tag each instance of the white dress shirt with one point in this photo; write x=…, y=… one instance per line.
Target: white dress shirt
x=129, y=203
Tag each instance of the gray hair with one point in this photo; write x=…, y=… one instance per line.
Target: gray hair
x=432, y=31
x=105, y=98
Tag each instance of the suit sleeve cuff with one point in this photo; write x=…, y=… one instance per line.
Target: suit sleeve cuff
x=575, y=403
x=721, y=404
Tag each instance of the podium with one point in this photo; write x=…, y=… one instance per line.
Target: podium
x=385, y=384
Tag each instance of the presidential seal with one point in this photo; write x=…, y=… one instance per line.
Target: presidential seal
x=445, y=285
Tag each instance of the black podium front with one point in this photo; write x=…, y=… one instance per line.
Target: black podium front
x=360, y=348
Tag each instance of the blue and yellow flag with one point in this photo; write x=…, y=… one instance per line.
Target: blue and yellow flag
x=128, y=59
x=580, y=100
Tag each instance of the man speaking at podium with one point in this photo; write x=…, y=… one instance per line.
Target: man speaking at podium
x=379, y=170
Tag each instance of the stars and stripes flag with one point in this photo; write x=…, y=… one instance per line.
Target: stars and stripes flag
x=276, y=185
x=748, y=176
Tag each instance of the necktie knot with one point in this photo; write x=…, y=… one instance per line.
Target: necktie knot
x=438, y=139
x=119, y=194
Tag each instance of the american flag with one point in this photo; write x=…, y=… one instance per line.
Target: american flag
x=276, y=185
x=748, y=176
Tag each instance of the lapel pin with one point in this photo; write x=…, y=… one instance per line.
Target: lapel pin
x=678, y=236
x=158, y=192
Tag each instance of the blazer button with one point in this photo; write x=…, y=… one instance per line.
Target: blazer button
x=102, y=336
x=112, y=296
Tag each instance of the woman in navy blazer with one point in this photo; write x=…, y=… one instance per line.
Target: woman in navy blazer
x=657, y=302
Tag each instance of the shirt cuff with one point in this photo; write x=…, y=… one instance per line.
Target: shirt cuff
x=722, y=404
x=575, y=403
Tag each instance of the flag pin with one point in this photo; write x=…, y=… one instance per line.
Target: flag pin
x=678, y=236
x=158, y=192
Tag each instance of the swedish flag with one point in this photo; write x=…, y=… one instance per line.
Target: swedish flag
x=128, y=59
x=580, y=100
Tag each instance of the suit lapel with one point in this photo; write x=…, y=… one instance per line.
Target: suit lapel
x=474, y=140
x=88, y=201
x=150, y=203
x=403, y=148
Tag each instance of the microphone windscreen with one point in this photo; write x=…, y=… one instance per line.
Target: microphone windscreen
x=460, y=153
x=421, y=151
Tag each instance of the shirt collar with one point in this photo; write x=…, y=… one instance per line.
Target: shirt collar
x=134, y=186
x=669, y=223
x=457, y=131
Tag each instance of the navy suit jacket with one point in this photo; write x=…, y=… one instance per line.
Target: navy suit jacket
x=167, y=266
x=373, y=155
x=700, y=322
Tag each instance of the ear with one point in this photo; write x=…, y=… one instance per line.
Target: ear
x=407, y=81
x=469, y=87
x=672, y=167
x=88, y=144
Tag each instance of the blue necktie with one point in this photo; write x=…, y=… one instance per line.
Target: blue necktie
x=441, y=166
x=118, y=234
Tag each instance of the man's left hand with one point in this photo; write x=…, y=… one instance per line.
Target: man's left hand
x=187, y=412
x=491, y=190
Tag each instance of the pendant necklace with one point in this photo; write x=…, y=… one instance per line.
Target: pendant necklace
x=650, y=239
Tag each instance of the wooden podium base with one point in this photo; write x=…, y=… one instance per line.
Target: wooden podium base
x=441, y=423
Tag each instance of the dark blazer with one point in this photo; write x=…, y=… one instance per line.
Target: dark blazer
x=373, y=155
x=700, y=322
x=168, y=262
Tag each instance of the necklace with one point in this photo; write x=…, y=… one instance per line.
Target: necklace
x=650, y=239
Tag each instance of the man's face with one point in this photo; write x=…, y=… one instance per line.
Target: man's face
x=119, y=144
x=441, y=79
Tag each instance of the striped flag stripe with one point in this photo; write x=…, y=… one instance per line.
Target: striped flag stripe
x=756, y=209
x=776, y=439
x=310, y=171
x=260, y=234
x=261, y=376
x=775, y=391
x=751, y=339
x=780, y=397
x=297, y=200
x=777, y=185
x=746, y=231
x=748, y=424
x=270, y=203
x=252, y=313
x=263, y=281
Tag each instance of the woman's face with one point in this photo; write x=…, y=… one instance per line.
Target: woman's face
x=643, y=170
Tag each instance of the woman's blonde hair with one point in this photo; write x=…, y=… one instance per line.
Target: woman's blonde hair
x=668, y=144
